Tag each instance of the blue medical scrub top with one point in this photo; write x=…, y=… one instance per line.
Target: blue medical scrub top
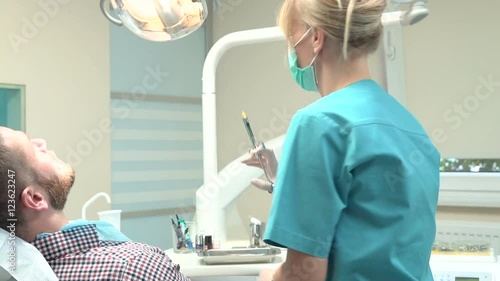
x=357, y=184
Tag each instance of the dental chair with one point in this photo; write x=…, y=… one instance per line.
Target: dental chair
x=29, y=263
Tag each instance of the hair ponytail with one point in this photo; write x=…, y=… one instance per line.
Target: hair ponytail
x=347, y=30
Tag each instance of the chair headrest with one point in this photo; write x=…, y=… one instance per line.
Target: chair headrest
x=23, y=262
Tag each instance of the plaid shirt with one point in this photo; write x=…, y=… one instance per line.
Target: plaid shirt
x=77, y=254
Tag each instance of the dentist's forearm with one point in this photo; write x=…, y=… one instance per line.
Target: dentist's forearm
x=301, y=267
x=277, y=274
x=284, y=273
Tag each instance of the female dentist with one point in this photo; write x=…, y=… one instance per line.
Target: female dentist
x=356, y=189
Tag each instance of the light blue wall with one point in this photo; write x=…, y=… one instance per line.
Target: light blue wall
x=181, y=59
x=156, y=146
x=15, y=115
x=11, y=108
x=3, y=107
x=152, y=230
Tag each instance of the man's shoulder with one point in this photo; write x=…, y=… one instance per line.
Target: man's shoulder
x=84, y=241
x=149, y=262
x=78, y=254
x=126, y=250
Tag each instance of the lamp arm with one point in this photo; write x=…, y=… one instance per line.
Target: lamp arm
x=108, y=15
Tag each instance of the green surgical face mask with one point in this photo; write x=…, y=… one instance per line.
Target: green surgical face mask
x=305, y=77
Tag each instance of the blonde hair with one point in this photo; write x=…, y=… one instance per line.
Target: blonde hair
x=355, y=24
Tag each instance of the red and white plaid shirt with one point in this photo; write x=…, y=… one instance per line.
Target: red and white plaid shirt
x=77, y=254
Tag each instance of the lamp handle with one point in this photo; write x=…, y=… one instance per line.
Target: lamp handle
x=108, y=15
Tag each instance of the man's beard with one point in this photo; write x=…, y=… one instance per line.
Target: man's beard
x=59, y=185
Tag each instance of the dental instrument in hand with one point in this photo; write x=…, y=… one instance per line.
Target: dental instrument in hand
x=254, y=145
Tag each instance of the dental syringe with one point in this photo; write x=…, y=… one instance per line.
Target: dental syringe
x=254, y=144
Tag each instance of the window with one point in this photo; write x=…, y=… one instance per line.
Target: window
x=470, y=165
x=12, y=106
x=452, y=84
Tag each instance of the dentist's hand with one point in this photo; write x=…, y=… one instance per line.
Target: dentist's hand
x=269, y=162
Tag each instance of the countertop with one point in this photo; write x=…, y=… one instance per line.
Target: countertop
x=192, y=266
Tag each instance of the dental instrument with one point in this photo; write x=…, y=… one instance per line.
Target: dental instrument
x=184, y=232
x=178, y=233
x=183, y=235
x=251, y=136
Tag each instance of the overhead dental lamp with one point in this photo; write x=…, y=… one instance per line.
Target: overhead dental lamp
x=157, y=20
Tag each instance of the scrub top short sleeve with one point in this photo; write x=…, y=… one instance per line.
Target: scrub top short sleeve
x=307, y=205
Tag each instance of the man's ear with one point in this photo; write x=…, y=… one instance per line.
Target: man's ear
x=32, y=198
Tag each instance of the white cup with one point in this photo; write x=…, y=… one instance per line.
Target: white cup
x=111, y=216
